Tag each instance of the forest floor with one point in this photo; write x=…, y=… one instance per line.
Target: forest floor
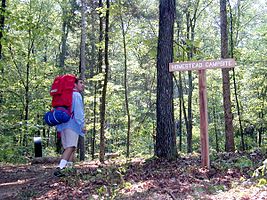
x=229, y=178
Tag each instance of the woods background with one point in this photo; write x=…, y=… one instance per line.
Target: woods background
x=113, y=45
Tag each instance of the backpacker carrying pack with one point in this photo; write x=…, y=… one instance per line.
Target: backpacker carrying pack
x=61, y=92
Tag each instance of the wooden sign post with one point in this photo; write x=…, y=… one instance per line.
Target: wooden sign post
x=201, y=66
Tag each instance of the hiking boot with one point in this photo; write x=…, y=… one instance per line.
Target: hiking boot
x=58, y=172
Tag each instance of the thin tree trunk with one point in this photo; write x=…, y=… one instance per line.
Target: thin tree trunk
x=27, y=102
x=184, y=108
x=126, y=87
x=94, y=122
x=215, y=125
x=2, y=24
x=260, y=130
x=63, y=44
x=228, y=116
x=262, y=125
x=65, y=32
x=27, y=87
x=104, y=91
x=180, y=86
x=82, y=68
x=191, y=24
x=92, y=40
x=190, y=89
x=238, y=113
x=92, y=71
x=234, y=79
x=97, y=86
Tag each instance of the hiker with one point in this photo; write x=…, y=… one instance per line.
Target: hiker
x=71, y=130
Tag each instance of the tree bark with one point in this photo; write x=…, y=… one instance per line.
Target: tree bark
x=92, y=39
x=66, y=15
x=2, y=23
x=91, y=70
x=165, y=136
x=214, y=119
x=64, y=37
x=190, y=88
x=228, y=116
x=181, y=106
x=234, y=77
x=126, y=86
x=104, y=91
x=82, y=68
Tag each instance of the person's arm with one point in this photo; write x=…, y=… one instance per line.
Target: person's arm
x=78, y=109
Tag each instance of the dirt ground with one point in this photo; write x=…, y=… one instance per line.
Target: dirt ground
x=135, y=179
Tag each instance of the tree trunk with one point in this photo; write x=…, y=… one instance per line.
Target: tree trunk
x=27, y=102
x=97, y=85
x=260, y=136
x=181, y=106
x=65, y=31
x=93, y=69
x=94, y=122
x=228, y=116
x=234, y=79
x=165, y=136
x=191, y=24
x=215, y=124
x=190, y=89
x=63, y=43
x=82, y=69
x=104, y=91
x=2, y=23
x=92, y=39
x=126, y=86
x=27, y=87
x=180, y=85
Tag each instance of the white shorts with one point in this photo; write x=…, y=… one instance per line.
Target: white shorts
x=69, y=138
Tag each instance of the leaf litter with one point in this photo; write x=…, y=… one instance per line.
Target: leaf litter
x=229, y=178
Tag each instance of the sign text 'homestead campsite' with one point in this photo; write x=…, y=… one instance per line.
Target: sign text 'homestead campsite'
x=201, y=66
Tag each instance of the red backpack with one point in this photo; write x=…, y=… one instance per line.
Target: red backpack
x=61, y=92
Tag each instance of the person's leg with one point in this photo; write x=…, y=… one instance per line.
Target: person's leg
x=72, y=142
x=63, y=161
x=72, y=157
x=67, y=156
x=69, y=141
x=68, y=153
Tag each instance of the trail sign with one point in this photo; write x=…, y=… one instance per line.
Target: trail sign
x=201, y=66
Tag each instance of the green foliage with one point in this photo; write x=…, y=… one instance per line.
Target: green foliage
x=227, y=161
x=31, y=50
x=11, y=152
x=243, y=162
x=49, y=151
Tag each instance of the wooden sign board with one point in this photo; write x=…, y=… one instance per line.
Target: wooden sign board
x=200, y=65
